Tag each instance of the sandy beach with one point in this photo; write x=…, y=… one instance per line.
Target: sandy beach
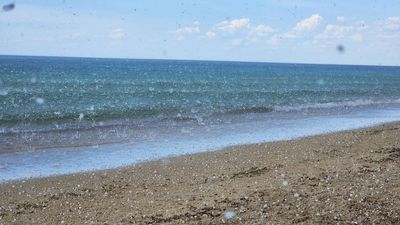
x=342, y=178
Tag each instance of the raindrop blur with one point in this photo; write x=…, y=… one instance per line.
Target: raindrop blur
x=229, y=214
x=33, y=80
x=39, y=101
x=8, y=7
x=3, y=92
x=320, y=82
x=340, y=48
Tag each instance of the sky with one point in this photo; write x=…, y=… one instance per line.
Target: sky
x=297, y=31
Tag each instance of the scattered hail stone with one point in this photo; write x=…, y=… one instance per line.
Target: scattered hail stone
x=229, y=214
x=296, y=195
x=285, y=183
x=81, y=115
x=39, y=100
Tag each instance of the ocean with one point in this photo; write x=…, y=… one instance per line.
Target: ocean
x=65, y=115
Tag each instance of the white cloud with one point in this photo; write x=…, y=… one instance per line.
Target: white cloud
x=334, y=31
x=357, y=37
x=232, y=25
x=236, y=41
x=275, y=39
x=248, y=33
x=188, y=30
x=392, y=23
x=307, y=24
x=211, y=34
x=360, y=25
x=261, y=30
x=117, y=34
x=340, y=18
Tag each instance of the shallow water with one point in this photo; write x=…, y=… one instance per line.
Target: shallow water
x=254, y=130
x=66, y=115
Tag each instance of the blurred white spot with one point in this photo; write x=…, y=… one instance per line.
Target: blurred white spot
x=320, y=82
x=3, y=92
x=39, y=101
x=33, y=80
x=185, y=131
x=296, y=195
x=81, y=116
x=285, y=183
x=229, y=214
x=151, y=89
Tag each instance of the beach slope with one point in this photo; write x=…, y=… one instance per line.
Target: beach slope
x=342, y=178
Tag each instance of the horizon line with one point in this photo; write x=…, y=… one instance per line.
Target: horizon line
x=199, y=60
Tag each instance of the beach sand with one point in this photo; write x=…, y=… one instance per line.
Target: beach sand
x=350, y=177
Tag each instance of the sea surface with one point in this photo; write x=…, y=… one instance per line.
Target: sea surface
x=64, y=115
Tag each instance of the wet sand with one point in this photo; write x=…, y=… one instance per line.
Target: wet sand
x=343, y=178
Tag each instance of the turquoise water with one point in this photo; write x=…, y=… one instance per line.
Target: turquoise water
x=66, y=91
x=66, y=115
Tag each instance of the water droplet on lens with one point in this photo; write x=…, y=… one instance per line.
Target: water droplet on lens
x=340, y=48
x=39, y=101
x=229, y=214
x=8, y=7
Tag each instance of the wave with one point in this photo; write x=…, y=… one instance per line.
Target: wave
x=251, y=109
x=144, y=116
x=343, y=104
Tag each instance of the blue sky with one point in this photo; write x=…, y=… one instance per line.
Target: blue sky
x=302, y=31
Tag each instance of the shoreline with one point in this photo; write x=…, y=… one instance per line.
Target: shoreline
x=341, y=177
x=176, y=157
x=176, y=141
